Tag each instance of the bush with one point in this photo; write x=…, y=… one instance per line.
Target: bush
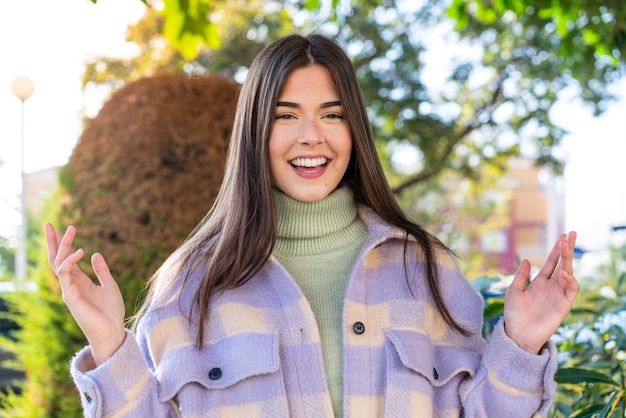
x=592, y=346
x=142, y=175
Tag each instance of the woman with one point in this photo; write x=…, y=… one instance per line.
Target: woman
x=306, y=291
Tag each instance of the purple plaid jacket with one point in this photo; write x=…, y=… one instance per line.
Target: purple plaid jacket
x=262, y=355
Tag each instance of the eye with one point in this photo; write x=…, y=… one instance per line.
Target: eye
x=334, y=115
x=284, y=116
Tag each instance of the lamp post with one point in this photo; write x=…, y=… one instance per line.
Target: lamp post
x=22, y=87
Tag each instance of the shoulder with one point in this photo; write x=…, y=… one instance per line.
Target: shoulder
x=381, y=231
x=166, y=319
x=387, y=250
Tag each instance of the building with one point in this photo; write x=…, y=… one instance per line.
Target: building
x=536, y=216
x=38, y=187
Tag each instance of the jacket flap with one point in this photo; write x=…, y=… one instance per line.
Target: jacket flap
x=436, y=362
x=219, y=365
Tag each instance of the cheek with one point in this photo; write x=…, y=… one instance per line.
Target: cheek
x=347, y=152
x=347, y=145
x=278, y=142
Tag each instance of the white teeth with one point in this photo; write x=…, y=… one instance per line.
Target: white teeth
x=308, y=162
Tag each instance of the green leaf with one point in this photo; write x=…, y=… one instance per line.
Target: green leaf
x=599, y=365
x=188, y=45
x=561, y=23
x=493, y=309
x=500, y=5
x=518, y=6
x=588, y=411
x=456, y=12
x=187, y=27
x=545, y=14
x=173, y=26
x=212, y=36
x=591, y=37
x=574, y=375
x=311, y=5
x=486, y=15
x=610, y=405
x=581, y=311
x=172, y=6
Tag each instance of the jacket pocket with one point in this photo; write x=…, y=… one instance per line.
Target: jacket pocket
x=424, y=377
x=239, y=374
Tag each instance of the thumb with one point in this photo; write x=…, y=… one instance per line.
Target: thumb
x=101, y=269
x=521, y=277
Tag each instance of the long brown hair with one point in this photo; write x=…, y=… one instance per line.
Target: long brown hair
x=237, y=236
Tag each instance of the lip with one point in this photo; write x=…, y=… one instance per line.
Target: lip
x=310, y=172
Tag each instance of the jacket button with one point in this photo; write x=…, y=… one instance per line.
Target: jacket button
x=358, y=328
x=435, y=374
x=87, y=397
x=215, y=373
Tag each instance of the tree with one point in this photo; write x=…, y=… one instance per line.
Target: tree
x=593, y=29
x=486, y=106
x=526, y=59
x=596, y=24
x=246, y=26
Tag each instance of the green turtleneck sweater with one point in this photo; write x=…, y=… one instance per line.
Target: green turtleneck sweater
x=318, y=244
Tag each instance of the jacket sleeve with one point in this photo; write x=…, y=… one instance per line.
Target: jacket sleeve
x=123, y=386
x=510, y=381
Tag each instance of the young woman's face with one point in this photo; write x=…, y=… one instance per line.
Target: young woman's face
x=310, y=142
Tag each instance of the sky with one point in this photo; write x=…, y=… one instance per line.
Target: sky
x=50, y=42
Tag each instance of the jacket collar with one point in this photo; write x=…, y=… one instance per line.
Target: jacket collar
x=379, y=229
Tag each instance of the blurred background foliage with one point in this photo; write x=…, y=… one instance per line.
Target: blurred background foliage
x=592, y=345
x=439, y=122
x=459, y=119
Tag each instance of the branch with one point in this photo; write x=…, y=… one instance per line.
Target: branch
x=483, y=115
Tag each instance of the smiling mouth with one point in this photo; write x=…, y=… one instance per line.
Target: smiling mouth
x=309, y=162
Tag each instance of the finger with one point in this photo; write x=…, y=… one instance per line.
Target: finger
x=571, y=242
x=59, y=235
x=521, y=277
x=101, y=269
x=52, y=242
x=571, y=286
x=571, y=239
x=65, y=245
x=65, y=268
x=549, y=265
x=567, y=257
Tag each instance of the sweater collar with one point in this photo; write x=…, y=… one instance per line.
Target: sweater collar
x=298, y=219
x=322, y=225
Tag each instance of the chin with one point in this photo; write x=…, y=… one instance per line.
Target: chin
x=312, y=196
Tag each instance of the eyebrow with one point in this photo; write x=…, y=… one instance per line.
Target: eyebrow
x=297, y=105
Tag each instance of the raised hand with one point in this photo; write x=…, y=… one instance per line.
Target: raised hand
x=98, y=310
x=533, y=313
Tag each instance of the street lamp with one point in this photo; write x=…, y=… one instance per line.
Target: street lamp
x=22, y=87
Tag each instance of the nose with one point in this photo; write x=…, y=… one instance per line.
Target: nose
x=310, y=133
